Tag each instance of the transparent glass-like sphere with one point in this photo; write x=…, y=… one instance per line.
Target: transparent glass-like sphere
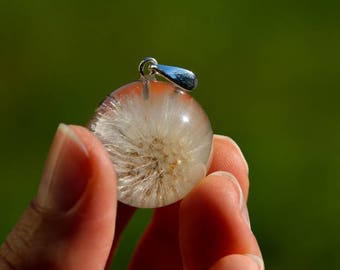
x=159, y=143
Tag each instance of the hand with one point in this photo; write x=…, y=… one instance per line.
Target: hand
x=75, y=221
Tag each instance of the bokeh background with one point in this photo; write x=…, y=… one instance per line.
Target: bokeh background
x=268, y=77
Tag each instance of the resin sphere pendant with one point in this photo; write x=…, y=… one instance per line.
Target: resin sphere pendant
x=159, y=138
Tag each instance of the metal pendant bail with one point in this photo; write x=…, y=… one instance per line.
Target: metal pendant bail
x=183, y=78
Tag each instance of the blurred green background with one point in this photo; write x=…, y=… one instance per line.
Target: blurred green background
x=268, y=77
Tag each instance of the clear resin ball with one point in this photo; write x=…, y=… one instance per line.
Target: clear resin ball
x=159, y=141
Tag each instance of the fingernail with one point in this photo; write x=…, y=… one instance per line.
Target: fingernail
x=245, y=214
x=257, y=259
x=66, y=174
x=242, y=205
x=222, y=137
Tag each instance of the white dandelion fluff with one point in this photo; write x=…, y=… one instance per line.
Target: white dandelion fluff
x=160, y=145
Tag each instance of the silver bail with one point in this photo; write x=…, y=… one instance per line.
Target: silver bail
x=183, y=78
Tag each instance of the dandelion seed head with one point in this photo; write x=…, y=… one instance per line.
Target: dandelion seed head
x=160, y=145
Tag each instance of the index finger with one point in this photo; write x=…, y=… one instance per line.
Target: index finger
x=228, y=157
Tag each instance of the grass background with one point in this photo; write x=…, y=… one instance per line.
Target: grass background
x=268, y=77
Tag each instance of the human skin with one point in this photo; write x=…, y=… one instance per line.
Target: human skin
x=75, y=221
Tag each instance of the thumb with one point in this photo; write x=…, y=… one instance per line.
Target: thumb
x=70, y=223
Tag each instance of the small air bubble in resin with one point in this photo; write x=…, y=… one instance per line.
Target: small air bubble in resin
x=159, y=141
